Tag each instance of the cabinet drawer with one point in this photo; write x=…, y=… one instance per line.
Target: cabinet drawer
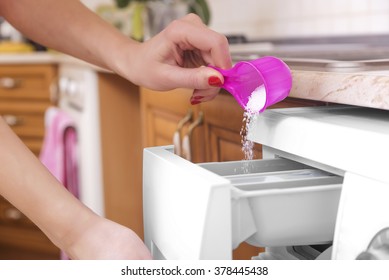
x=10, y=107
x=274, y=202
x=9, y=215
x=33, y=144
x=25, y=118
x=26, y=125
x=25, y=243
x=27, y=82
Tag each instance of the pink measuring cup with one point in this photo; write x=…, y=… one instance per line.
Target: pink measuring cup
x=246, y=76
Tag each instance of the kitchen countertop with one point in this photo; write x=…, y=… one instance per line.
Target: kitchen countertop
x=30, y=58
x=367, y=89
x=43, y=58
x=360, y=88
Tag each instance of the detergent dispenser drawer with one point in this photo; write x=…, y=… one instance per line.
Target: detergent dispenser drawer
x=203, y=211
x=278, y=202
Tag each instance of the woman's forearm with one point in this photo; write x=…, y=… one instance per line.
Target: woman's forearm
x=169, y=60
x=67, y=26
x=27, y=184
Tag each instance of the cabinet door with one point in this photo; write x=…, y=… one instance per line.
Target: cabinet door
x=223, y=122
x=161, y=114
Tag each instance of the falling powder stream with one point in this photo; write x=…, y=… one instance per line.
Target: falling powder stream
x=255, y=104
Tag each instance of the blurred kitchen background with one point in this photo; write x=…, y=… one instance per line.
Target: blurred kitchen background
x=250, y=20
x=116, y=119
x=278, y=18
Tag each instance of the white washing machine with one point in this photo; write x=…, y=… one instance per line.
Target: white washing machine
x=319, y=193
x=78, y=96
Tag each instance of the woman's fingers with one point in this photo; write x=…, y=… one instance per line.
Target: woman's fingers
x=188, y=34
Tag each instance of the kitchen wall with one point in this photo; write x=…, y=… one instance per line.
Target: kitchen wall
x=280, y=18
x=291, y=18
x=94, y=3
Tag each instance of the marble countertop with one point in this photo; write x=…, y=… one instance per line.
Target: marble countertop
x=364, y=88
x=367, y=89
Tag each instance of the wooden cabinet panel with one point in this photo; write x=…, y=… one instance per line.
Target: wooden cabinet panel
x=224, y=145
x=121, y=150
x=161, y=113
x=163, y=125
x=26, y=81
x=25, y=124
x=20, y=237
x=11, y=216
x=223, y=125
x=34, y=144
x=24, y=98
x=23, y=107
x=25, y=243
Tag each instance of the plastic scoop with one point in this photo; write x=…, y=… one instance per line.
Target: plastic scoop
x=258, y=83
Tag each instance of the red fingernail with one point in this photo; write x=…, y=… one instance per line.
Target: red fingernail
x=198, y=97
x=214, y=81
x=194, y=102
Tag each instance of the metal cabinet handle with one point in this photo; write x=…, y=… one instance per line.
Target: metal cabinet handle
x=186, y=145
x=13, y=214
x=177, y=133
x=13, y=120
x=10, y=83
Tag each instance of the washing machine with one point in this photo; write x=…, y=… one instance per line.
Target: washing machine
x=320, y=191
x=78, y=96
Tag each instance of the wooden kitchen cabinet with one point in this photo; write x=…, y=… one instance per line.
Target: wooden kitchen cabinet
x=213, y=128
x=121, y=150
x=24, y=97
x=161, y=114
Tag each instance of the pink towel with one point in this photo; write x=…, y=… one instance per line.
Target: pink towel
x=59, y=151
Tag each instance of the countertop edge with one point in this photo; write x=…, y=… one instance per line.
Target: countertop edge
x=54, y=58
x=366, y=89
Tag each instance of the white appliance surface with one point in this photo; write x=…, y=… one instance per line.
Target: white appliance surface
x=349, y=140
x=78, y=89
x=322, y=181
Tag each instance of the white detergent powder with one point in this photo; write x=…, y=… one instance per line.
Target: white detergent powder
x=256, y=102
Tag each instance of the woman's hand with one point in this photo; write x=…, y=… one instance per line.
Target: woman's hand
x=171, y=59
x=106, y=240
x=174, y=58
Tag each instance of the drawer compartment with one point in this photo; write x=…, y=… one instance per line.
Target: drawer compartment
x=274, y=202
x=283, y=202
x=27, y=82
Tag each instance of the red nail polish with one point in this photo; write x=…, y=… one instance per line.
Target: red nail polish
x=214, y=81
x=194, y=102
